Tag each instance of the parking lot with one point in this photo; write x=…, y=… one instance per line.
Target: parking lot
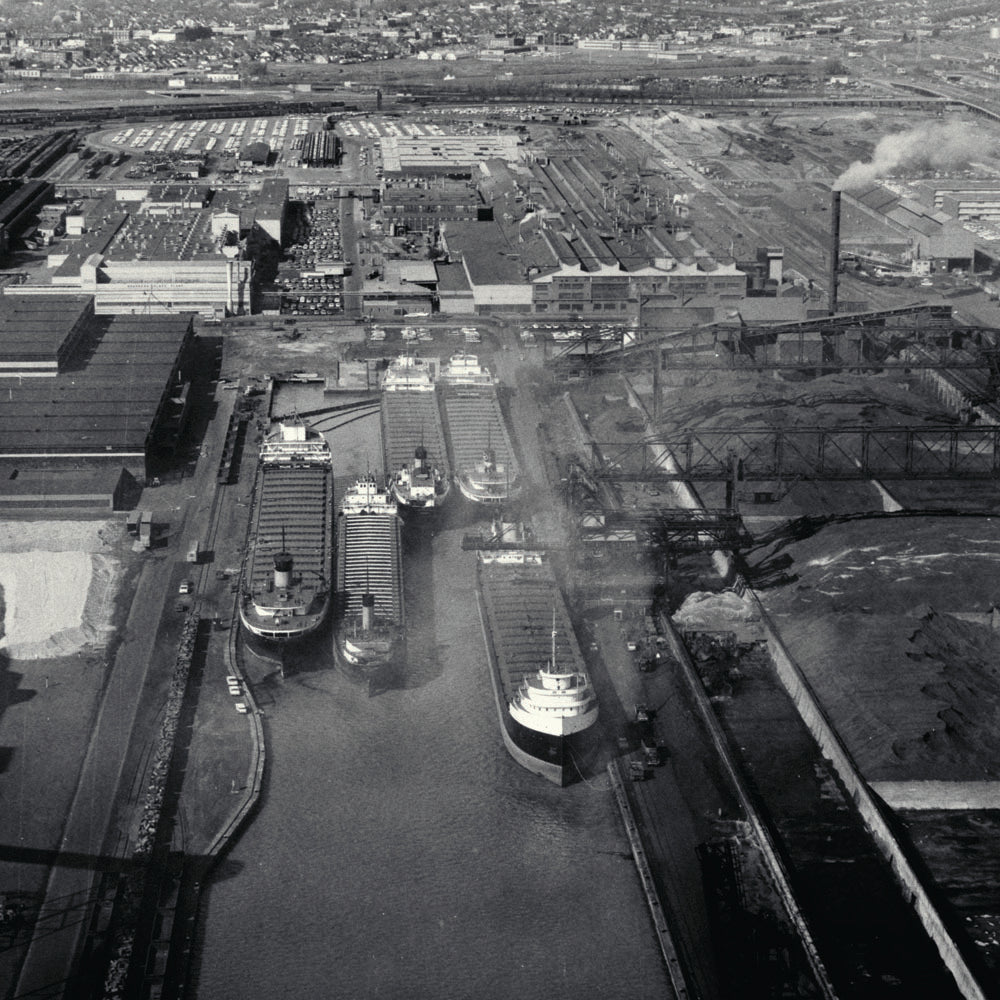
x=310, y=278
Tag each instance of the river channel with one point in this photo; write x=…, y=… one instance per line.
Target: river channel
x=399, y=851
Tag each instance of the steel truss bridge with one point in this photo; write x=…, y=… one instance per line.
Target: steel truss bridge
x=849, y=341
x=817, y=453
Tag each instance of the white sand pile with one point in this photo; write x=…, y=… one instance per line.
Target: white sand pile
x=724, y=612
x=58, y=588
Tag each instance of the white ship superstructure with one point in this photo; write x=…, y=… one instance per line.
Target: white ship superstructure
x=410, y=373
x=557, y=701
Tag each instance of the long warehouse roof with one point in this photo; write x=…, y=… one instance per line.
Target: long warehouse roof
x=110, y=402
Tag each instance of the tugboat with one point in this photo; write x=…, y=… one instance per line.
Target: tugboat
x=370, y=632
x=287, y=582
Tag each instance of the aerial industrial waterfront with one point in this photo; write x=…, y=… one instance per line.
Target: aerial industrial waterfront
x=499, y=503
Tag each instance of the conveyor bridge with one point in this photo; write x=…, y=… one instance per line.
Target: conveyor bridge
x=824, y=453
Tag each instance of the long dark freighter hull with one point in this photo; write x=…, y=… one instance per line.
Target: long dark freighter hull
x=287, y=579
x=520, y=606
x=370, y=562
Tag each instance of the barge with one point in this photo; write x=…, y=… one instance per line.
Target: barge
x=287, y=585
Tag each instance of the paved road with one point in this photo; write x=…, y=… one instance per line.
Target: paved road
x=62, y=917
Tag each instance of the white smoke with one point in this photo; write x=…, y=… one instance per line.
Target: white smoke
x=926, y=149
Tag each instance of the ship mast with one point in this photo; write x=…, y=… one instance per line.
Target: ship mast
x=553, y=660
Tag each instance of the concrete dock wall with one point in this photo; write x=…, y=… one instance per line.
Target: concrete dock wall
x=660, y=926
x=961, y=795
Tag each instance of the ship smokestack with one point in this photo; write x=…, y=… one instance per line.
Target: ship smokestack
x=282, y=571
x=421, y=457
x=367, y=611
x=834, y=248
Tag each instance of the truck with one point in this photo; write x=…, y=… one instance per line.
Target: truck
x=194, y=551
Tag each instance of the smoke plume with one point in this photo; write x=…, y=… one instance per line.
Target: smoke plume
x=929, y=148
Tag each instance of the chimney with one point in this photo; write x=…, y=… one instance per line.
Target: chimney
x=834, y=247
x=367, y=611
x=282, y=571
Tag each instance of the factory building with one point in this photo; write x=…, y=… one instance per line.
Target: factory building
x=455, y=156
x=117, y=400
x=18, y=209
x=961, y=198
x=174, y=251
x=403, y=286
x=423, y=207
x=493, y=269
x=38, y=336
x=256, y=154
x=611, y=293
x=920, y=234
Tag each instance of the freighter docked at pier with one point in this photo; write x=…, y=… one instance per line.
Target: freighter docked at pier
x=370, y=637
x=412, y=435
x=545, y=700
x=287, y=579
x=483, y=457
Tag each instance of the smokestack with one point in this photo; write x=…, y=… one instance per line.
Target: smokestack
x=834, y=247
x=367, y=611
x=282, y=571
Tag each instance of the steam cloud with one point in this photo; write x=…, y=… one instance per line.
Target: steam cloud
x=921, y=150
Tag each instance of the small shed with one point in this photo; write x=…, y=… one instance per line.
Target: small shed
x=256, y=154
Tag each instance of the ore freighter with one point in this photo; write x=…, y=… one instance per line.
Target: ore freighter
x=370, y=631
x=286, y=590
x=545, y=700
x=412, y=434
x=482, y=456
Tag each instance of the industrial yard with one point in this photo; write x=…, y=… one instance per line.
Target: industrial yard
x=748, y=359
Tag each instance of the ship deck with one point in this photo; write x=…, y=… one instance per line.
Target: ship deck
x=475, y=423
x=294, y=513
x=519, y=601
x=410, y=419
x=369, y=557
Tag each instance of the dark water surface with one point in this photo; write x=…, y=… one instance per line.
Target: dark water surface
x=399, y=852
